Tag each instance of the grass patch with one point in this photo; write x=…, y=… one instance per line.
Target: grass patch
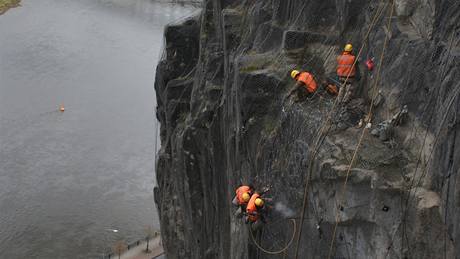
x=7, y=4
x=250, y=68
x=255, y=62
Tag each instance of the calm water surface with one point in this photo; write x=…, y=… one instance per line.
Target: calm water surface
x=66, y=178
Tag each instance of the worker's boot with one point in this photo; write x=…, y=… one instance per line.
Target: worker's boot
x=341, y=94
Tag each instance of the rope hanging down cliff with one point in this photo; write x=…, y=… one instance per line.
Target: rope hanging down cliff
x=324, y=130
x=425, y=167
x=285, y=248
x=293, y=221
x=375, y=93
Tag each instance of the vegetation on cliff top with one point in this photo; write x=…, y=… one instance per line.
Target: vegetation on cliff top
x=7, y=4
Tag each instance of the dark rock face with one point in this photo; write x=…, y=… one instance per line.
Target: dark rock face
x=224, y=122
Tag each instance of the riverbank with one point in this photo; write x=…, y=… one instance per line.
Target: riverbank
x=5, y=5
x=138, y=252
x=195, y=3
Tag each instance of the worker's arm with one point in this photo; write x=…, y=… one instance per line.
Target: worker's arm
x=293, y=89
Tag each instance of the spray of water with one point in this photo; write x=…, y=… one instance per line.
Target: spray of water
x=284, y=210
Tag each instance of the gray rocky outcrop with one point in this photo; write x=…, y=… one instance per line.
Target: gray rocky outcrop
x=224, y=122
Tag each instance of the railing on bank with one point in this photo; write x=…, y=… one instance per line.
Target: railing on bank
x=132, y=245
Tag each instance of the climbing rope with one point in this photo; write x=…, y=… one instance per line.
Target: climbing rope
x=285, y=248
x=375, y=93
x=422, y=176
x=324, y=129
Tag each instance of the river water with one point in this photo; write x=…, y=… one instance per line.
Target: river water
x=67, y=178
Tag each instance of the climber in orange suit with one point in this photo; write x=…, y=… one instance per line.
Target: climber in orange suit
x=242, y=197
x=346, y=73
x=254, y=211
x=305, y=86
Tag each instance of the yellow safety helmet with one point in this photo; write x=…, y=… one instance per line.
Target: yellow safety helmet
x=259, y=202
x=348, y=48
x=294, y=73
x=246, y=197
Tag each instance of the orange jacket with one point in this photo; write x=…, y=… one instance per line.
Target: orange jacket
x=345, y=64
x=308, y=80
x=239, y=193
x=251, y=209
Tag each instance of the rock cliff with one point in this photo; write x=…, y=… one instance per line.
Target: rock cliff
x=224, y=121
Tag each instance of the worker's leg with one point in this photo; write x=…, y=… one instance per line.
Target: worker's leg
x=256, y=226
x=349, y=90
x=341, y=94
x=341, y=89
x=345, y=93
x=348, y=93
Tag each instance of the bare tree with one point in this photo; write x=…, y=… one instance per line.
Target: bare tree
x=119, y=248
x=150, y=233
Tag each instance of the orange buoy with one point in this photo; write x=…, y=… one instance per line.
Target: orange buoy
x=61, y=108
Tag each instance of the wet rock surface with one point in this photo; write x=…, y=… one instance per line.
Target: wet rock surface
x=220, y=91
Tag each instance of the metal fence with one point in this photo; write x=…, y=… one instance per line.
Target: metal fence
x=130, y=246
